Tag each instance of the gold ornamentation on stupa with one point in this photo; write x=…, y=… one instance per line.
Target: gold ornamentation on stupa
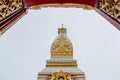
x=61, y=76
x=62, y=46
x=61, y=66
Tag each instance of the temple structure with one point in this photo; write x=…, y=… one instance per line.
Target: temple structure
x=13, y=10
x=61, y=66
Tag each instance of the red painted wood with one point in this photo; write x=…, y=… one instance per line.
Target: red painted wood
x=26, y=3
x=40, y=2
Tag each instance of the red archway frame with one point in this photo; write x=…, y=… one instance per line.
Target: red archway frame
x=87, y=4
x=30, y=3
x=110, y=10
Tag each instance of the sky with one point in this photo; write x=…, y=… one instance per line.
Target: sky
x=25, y=47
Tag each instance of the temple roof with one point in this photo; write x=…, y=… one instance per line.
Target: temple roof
x=62, y=46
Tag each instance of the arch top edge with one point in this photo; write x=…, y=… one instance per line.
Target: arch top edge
x=62, y=5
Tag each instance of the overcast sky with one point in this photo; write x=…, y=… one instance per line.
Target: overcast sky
x=25, y=47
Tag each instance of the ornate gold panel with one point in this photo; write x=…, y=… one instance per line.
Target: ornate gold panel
x=7, y=7
x=63, y=75
x=62, y=46
x=111, y=8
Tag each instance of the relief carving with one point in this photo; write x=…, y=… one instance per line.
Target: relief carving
x=8, y=7
x=62, y=46
x=61, y=76
x=110, y=7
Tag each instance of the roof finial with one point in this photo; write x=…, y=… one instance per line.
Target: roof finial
x=62, y=29
x=62, y=26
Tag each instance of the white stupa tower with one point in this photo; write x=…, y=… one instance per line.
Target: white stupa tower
x=61, y=66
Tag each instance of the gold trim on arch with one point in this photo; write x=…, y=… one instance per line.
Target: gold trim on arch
x=64, y=5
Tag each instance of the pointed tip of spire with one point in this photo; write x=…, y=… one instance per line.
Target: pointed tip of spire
x=62, y=29
x=62, y=26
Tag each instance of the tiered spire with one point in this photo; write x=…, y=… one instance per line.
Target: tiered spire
x=62, y=46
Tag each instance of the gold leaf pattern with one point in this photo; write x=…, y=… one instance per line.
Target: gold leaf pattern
x=110, y=7
x=62, y=46
x=7, y=7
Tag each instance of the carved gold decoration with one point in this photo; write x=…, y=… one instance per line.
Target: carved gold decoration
x=62, y=45
x=64, y=75
x=65, y=5
x=8, y=7
x=110, y=7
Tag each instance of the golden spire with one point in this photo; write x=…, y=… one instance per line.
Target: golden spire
x=62, y=25
x=62, y=46
x=62, y=30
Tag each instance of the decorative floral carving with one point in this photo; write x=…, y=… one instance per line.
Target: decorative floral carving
x=110, y=7
x=59, y=75
x=8, y=7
